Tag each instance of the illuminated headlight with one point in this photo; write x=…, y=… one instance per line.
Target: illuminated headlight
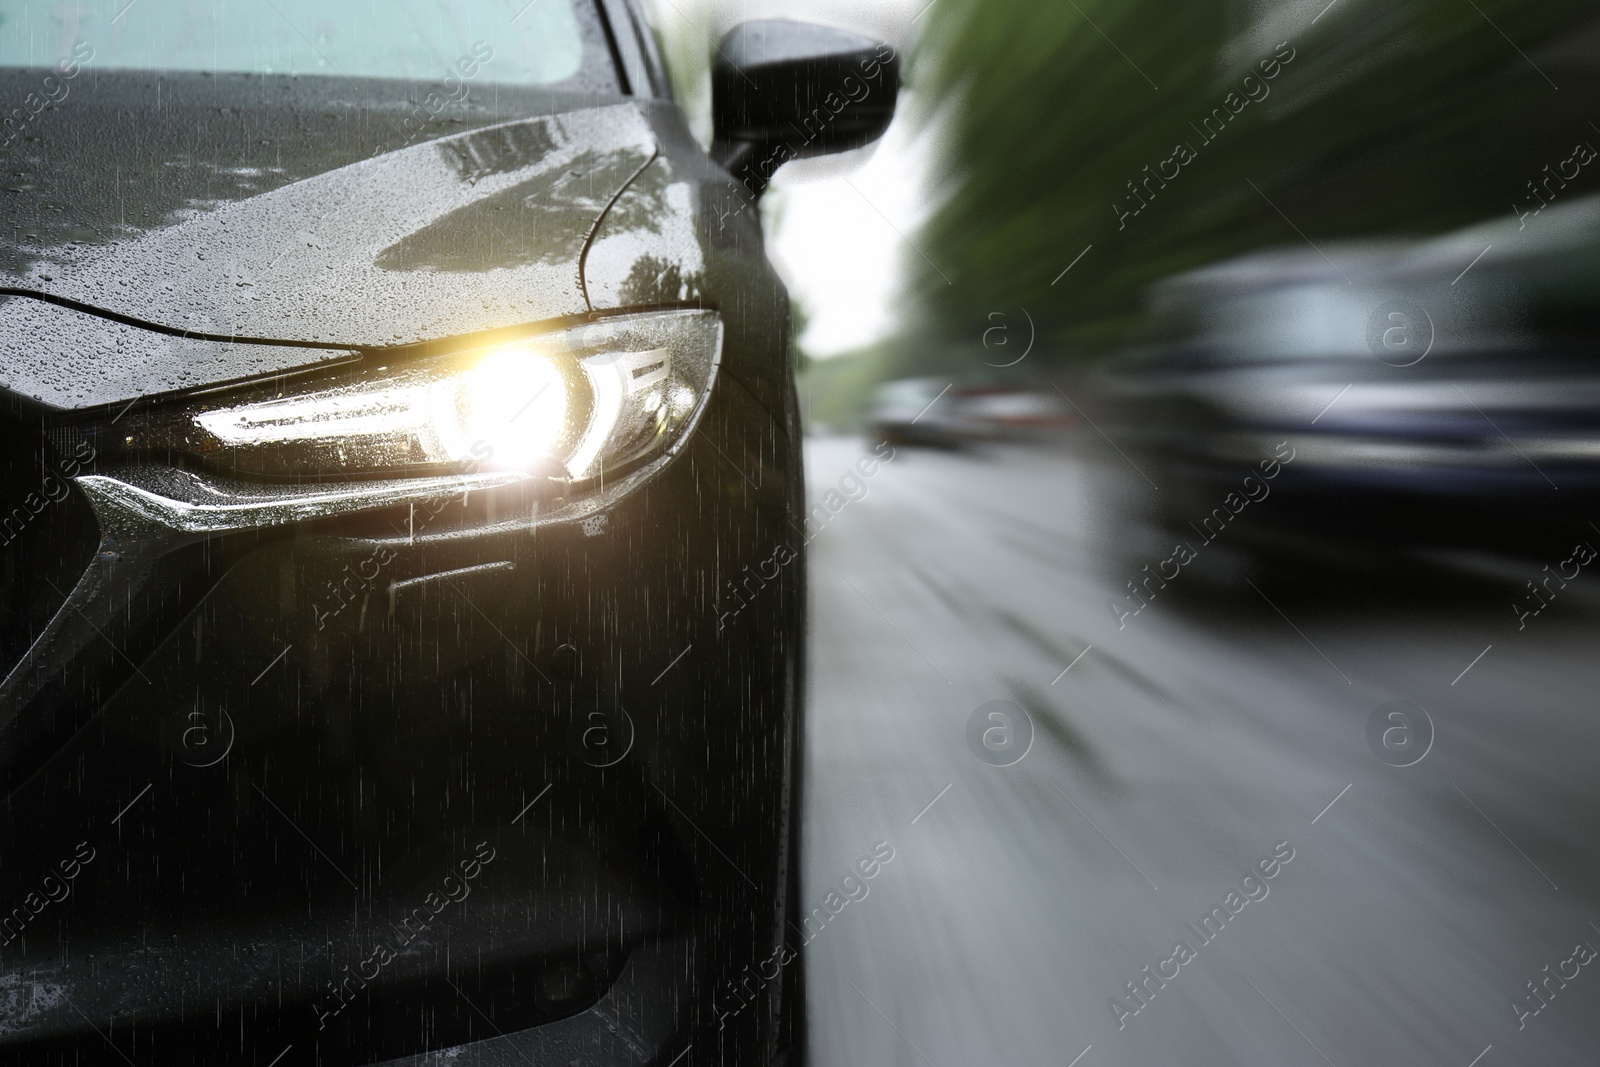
x=570, y=405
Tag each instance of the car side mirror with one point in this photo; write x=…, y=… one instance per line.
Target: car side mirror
x=785, y=90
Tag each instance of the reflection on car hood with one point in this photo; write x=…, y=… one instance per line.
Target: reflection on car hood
x=315, y=224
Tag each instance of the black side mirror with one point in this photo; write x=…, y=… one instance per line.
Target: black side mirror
x=786, y=90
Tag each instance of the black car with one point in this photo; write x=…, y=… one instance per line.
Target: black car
x=393, y=404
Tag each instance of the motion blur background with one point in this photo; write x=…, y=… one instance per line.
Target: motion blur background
x=1238, y=360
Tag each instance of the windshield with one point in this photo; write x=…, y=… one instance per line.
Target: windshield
x=508, y=41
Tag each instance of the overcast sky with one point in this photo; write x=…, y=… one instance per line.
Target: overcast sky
x=832, y=222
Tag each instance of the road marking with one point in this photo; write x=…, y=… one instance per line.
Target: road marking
x=1471, y=665
x=280, y=1056
x=1085, y=1052
x=1324, y=11
x=1331, y=803
x=1063, y=674
x=1481, y=1055
x=531, y=803
x=931, y=803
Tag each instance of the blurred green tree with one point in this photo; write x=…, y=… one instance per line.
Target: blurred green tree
x=1393, y=118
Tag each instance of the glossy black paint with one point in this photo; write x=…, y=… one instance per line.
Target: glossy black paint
x=785, y=90
x=382, y=698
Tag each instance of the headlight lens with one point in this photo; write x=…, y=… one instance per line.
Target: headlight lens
x=571, y=404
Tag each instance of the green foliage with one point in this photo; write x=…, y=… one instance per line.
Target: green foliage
x=835, y=392
x=1393, y=118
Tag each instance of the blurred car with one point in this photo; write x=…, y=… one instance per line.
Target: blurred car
x=1008, y=413
x=916, y=411
x=383, y=434
x=1432, y=394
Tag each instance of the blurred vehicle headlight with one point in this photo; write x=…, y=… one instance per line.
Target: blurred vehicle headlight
x=570, y=405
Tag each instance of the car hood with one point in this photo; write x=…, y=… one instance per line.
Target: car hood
x=254, y=225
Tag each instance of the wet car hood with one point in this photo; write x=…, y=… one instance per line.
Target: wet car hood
x=270, y=212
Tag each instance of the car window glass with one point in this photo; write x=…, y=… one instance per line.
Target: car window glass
x=543, y=43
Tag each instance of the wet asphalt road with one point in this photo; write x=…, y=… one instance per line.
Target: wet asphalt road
x=1175, y=755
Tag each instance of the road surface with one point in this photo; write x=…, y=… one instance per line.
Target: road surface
x=1198, y=744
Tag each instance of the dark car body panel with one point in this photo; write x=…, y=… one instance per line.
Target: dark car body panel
x=477, y=231
x=387, y=694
